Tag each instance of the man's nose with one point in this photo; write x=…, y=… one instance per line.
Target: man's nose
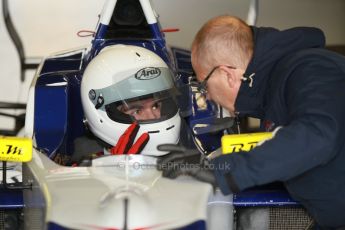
x=150, y=114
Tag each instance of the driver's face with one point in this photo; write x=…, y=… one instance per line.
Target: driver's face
x=146, y=109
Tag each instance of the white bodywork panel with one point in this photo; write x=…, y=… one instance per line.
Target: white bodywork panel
x=94, y=197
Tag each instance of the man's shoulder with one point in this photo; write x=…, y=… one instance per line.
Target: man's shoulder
x=312, y=55
x=308, y=63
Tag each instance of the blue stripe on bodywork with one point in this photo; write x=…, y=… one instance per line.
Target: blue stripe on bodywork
x=58, y=117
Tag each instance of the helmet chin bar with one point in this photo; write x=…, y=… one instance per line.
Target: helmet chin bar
x=161, y=132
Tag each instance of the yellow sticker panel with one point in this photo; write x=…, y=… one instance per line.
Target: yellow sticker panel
x=243, y=142
x=15, y=149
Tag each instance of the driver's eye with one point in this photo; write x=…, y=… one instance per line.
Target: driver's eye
x=136, y=112
x=156, y=105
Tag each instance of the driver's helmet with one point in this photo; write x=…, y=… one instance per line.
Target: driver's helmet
x=125, y=84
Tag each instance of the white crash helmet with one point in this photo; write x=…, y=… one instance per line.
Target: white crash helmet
x=120, y=75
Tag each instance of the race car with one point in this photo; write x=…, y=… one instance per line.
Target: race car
x=121, y=191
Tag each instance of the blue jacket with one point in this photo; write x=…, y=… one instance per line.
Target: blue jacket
x=300, y=86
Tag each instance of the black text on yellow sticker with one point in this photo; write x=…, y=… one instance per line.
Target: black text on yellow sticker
x=242, y=142
x=15, y=149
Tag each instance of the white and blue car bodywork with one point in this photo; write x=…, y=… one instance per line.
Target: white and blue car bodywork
x=116, y=192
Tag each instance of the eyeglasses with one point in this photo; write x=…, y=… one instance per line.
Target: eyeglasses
x=202, y=86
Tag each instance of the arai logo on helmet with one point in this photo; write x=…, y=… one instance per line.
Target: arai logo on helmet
x=148, y=73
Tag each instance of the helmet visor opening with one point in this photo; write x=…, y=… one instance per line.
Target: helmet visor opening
x=149, y=108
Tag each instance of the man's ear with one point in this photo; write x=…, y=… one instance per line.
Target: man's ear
x=230, y=76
